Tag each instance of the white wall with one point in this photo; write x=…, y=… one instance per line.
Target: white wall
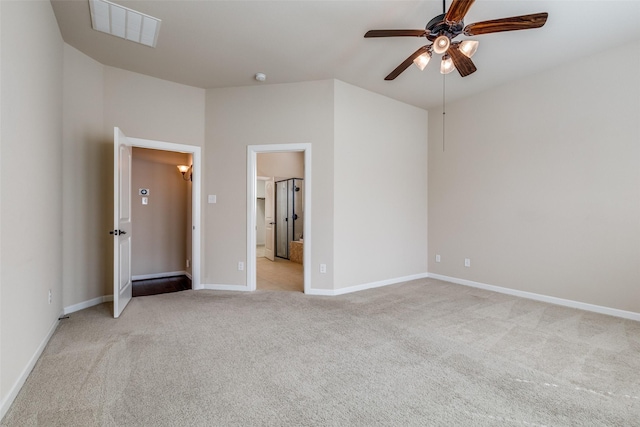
x=539, y=183
x=31, y=187
x=380, y=187
x=270, y=114
x=150, y=108
x=87, y=163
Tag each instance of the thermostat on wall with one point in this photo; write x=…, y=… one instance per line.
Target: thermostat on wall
x=143, y=191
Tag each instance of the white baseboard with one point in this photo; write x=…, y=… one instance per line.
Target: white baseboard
x=242, y=288
x=86, y=304
x=159, y=275
x=15, y=389
x=365, y=286
x=544, y=298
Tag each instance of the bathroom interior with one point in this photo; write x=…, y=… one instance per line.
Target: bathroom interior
x=285, y=271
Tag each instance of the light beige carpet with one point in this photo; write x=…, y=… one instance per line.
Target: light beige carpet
x=420, y=353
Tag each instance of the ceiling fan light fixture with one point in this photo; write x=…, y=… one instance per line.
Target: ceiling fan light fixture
x=422, y=60
x=468, y=48
x=446, y=66
x=441, y=44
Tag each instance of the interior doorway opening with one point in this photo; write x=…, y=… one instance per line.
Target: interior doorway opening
x=173, y=151
x=161, y=250
x=265, y=268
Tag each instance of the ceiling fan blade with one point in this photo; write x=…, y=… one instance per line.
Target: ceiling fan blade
x=395, y=33
x=458, y=10
x=400, y=68
x=514, y=23
x=463, y=63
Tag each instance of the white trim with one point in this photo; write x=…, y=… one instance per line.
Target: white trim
x=158, y=275
x=227, y=288
x=86, y=304
x=15, y=389
x=186, y=273
x=252, y=151
x=365, y=286
x=539, y=297
x=196, y=198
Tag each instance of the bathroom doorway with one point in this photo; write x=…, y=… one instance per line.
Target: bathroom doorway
x=279, y=227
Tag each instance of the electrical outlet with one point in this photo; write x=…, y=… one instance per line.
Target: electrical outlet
x=437, y=257
x=467, y=262
x=50, y=296
x=323, y=268
x=241, y=266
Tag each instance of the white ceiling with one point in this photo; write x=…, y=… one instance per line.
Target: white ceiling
x=211, y=44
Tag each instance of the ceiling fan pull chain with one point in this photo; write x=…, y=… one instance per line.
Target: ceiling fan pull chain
x=444, y=79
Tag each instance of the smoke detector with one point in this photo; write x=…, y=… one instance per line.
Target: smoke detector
x=261, y=77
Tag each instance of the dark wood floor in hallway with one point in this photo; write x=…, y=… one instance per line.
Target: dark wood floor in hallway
x=162, y=285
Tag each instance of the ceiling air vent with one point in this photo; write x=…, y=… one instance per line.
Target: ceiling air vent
x=123, y=22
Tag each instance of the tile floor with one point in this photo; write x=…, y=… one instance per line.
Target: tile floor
x=278, y=275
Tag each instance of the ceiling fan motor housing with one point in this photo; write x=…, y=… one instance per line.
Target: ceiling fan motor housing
x=438, y=26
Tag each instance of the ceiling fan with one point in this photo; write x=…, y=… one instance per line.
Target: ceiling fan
x=441, y=31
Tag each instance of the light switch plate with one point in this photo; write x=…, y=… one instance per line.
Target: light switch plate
x=212, y=198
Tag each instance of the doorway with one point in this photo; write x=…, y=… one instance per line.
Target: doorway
x=253, y=183
x=161, y=251
x=195, y=176
x=280, y=223
x=122, y=231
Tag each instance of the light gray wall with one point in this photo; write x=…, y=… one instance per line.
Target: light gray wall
x=31, y=185
x=159, y=242
x=87, y=185
x=270, y=114
x=539, y=183
x=380, y=188
x=149, y=108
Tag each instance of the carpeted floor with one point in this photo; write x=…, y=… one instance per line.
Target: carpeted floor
x=420, y=353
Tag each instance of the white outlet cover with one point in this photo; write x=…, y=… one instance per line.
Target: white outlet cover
x=212, y=198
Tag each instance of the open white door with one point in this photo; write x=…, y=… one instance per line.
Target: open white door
x=269, y=218
x=121, y=222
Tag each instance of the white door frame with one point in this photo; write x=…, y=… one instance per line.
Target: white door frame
x=252, y=167
x=195, y=151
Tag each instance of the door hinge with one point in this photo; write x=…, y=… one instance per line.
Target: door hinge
x=117, y=232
